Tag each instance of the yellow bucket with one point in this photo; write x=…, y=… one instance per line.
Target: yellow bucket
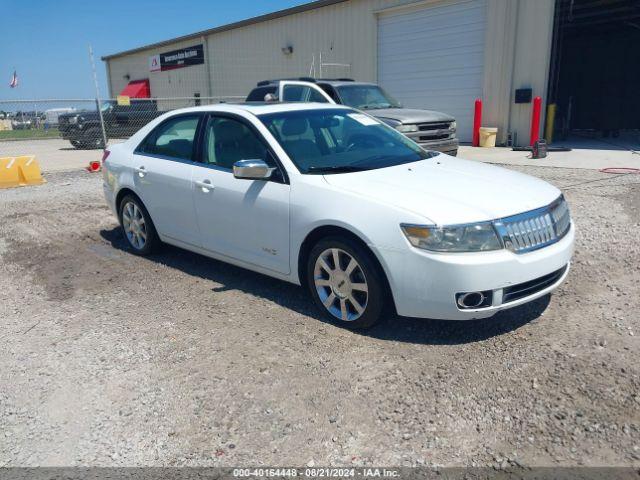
x=488, y=136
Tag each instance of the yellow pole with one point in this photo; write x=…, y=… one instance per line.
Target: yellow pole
x=551, y=117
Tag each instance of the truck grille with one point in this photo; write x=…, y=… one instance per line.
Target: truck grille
x=429, y=132
x=535, y=229
x=424, y=127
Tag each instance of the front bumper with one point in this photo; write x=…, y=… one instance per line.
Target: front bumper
x=448, y=146
x=424, y=284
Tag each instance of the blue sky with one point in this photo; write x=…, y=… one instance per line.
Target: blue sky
x=46, y=41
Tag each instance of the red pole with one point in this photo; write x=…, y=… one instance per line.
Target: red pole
x=477, y=120
x=535, y=121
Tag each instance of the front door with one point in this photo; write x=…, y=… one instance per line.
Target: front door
x=163, y=166
x=247, y=220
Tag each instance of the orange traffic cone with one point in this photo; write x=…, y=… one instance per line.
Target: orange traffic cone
x=94, y=166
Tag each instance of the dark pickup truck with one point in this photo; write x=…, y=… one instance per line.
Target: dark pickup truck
x=83, y=130
x=429, y=129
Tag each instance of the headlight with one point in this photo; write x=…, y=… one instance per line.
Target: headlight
x=453, y=126
x=407, y=128
x=73, y=120
x=477, y=237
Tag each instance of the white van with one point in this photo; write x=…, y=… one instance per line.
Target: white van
x=51, y=115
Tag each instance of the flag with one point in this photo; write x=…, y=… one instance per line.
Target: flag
x=14, y=80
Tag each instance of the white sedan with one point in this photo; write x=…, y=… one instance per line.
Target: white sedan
x=332, y=199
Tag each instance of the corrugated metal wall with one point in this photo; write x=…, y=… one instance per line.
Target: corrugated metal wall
x=517, y=54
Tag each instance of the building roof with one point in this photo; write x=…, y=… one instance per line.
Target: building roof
x=230, y=26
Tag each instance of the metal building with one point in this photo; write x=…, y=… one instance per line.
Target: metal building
x=434, y=54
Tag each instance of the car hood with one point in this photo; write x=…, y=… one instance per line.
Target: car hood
x=410, y=115
x=449, y=190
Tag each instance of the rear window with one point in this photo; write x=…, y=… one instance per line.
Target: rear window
x=258, y=94
x=174, y=138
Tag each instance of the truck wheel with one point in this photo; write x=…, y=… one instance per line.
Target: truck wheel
x=76, y=143
x=93, y=138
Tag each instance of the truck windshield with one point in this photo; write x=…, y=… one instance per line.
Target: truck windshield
x=106, y=106
x=366, y=97
x=340, y=140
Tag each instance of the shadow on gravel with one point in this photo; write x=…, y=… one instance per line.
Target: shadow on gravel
x=399, y=329
x=451, y=332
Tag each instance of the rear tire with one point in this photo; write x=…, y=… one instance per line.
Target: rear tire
x=76, y=143
x=137, y=226
x=346, y=283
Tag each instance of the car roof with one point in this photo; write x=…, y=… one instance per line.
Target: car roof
x=260, y=108
x=340, y=83
x=335, y=83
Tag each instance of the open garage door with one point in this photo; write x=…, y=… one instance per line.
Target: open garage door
x=433, y=57
x=595, y=72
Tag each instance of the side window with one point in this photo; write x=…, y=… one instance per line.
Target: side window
x=227, y=140
x=258, y=94
x=173, y=138
x=301, y=93
x=329, y=90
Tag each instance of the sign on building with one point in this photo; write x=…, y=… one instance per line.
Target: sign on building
x=184, y=57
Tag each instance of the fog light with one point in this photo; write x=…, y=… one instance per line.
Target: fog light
x=471, y=300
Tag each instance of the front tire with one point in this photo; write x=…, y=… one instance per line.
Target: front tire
x=93, y=139
x=346, y=283
x=137, y=226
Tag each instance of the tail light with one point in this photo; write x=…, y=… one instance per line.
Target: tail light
x=105, y=155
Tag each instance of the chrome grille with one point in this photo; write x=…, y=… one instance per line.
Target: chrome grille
x=429, y=132
x=535, y=229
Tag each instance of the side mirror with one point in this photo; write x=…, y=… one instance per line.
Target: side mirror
x=252, y=170
x=270, y=98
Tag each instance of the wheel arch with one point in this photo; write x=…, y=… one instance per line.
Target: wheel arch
x=323, y=231
x=123, y=192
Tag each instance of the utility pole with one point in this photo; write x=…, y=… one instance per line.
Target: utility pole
x=98, y=103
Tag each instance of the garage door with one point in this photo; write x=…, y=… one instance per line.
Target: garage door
x=432, y=58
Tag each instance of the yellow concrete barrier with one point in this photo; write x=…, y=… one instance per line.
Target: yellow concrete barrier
x=9, y=173
x=20, y=172
x=30, y=170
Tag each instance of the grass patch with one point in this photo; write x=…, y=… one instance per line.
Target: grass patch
x=33, y=134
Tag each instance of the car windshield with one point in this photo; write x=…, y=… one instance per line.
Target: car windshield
x=340, y=140
x=366, y=97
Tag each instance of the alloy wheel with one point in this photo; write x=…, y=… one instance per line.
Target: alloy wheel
x=341, y=284
x=134, y=225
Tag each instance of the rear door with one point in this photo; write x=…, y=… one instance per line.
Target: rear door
x=296, y=91
x=163, y=167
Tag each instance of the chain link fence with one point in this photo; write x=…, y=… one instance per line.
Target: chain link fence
x=62, y=133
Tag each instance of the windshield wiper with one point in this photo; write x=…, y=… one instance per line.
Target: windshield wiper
x=336, y=169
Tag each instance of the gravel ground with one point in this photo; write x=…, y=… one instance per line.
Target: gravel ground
x=108, y=359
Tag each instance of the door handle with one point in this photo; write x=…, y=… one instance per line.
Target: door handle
x=205, y=185
x=141, y=171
